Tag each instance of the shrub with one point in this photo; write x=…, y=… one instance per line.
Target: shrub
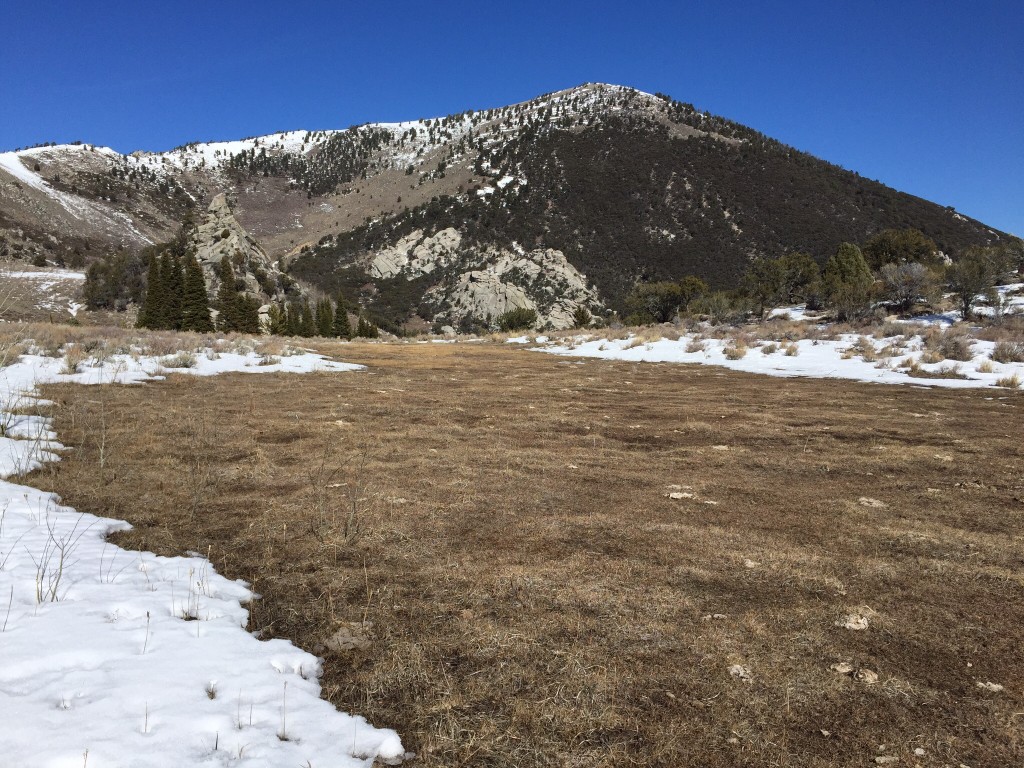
x=1010, y=382
x=1008, y=352
x=695, y=345
x=792, y=349
x=770, y=349
x=735, y=352
x=517, y=319
x=986, y=367
x=180, y=360
x=955, y=347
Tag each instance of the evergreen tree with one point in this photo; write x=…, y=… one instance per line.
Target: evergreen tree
x=174, y=289
x=971, y=275
x=764, y=282
x=292, y=319
x=847, y=281
x=277, y=320
x=342, y=326
x=366, y=329
x=227, y=298
x=152, y=310
x=324, y=318
x=247, y=310
x=307, y=325
x=195, y=306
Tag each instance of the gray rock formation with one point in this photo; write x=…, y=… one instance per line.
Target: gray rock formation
x=415, y=254
x=220, y=235
x=499, y=281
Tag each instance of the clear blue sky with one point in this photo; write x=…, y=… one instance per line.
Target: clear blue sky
x=927, y=97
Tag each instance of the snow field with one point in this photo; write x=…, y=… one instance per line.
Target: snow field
x=118, y=658
x=813, y=358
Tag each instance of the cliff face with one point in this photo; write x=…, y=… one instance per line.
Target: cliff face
x=220, y=234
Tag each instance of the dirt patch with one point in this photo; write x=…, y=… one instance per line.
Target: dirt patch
x=489, y=557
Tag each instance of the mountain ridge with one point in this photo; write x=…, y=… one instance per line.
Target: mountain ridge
x=625, y=185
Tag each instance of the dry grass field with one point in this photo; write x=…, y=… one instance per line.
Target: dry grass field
x=482, y=544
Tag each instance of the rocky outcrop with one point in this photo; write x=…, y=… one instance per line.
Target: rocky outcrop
x=416, y=254
x=541, y=280
x=219, y=235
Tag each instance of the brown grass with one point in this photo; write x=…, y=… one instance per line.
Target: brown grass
x=502, y=519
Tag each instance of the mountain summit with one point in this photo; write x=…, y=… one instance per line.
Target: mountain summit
x=560, y=202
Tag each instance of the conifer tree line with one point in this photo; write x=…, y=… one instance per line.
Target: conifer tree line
x=176, y=299
x=323, y=317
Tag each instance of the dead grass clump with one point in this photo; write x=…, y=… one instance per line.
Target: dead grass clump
x=1008, y=352
x=949, y=371
x=735, y=351
x=74, y=357
x=696, y=344
x=986, y=366
x=931, y=357
x=792, y=349
x=889, y=329
x=1010, y=382
x=770, y=349
x=180, y=360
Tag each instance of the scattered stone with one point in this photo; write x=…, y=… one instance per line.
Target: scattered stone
x=679, y=495
x=857, y=621
x=886, y=760
x=351, y=636
x=825, y=733
x=919, y=752
x=866, y=676
x=719, y=447
x=713, y=617
x=993, y=687
x=748, y=563
x=867, y=501
x=843, y=668
x=741, y=672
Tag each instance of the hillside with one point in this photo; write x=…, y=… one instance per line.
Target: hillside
x=561, y=201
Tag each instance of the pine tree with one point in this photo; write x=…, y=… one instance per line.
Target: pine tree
x=324, y=318
x=277, y=320
x=342, y=326
x=152, y=309
x=292, y=318
x=195, y=306
x=366, y=329
x=227, y=298
x=174, y=289
x=306, y=324
x=248, y=313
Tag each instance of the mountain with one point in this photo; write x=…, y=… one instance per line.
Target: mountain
x=565, y=200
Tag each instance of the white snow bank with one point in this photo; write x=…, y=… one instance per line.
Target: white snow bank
x=118, y=658
x=45, y=274
x=815, y=359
